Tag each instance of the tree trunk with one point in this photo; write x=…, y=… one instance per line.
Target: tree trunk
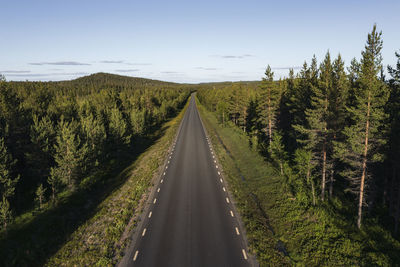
x=312, y=185
x=331, y=183
x=364, y=167
x=269, y=118
x=281, y=165
x=323, y=170
x=397, y=215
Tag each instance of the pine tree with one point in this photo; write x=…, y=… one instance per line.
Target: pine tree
x=70, y=154
x=5, y=213
x=118, y=128
x=40, y=191
x=7, y=184
x=338, y=97
x=305, y=167
x=270, y=98
x=315, y=130
x=393, y=109
x=364, y=135
x=277, y=150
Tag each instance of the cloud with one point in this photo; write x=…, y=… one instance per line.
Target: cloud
x=203, y=68
x=15, y=71
x=112, y=61
x=138, y=64
x=129, y=70
x=233, y=56
x=60, y=63
x=47, y=74
x=170, y=72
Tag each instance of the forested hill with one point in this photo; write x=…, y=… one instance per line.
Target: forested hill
x=106, y=79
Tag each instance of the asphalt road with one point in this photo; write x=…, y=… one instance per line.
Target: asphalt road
x=189, y=219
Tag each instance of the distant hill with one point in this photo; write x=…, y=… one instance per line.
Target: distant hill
x=108, y=79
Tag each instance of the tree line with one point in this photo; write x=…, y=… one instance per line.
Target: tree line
x=332, y=131
x=55, y=135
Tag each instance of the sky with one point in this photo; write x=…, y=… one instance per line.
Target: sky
x=185, y=41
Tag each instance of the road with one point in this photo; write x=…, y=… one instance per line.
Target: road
x=190, y=219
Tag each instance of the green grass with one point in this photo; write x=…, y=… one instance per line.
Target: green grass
x=90, y=226
x=281, y=229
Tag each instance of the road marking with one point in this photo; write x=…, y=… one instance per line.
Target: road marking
x=164, y=173
x=162, y=180
x=237, y=231
x=144, y=232
x=155, y=200
x=166, y=167
x=158, y=190
x=227, y=200
x=244, y=254
x=215, y=161
x=223, y=188
x=169, y=157
x=232, y=214
x=219, y=173
x=213, y=157
x=136, y=253
x=150, y=214
x=168, y=161
x=221, y=181
x=216, y=166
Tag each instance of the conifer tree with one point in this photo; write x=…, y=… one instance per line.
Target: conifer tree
x=40, y=191
x=364, y=135
x=305, y=167
x=270, y=97
x=277, y=150
x=315, y=130
x=118, y=128
x=70, y=154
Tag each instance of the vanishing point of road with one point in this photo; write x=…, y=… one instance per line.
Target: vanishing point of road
x=190, y=219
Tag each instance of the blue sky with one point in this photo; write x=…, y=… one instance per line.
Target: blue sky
x=185, y=41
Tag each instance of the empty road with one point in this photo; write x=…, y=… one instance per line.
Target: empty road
x=189, y=219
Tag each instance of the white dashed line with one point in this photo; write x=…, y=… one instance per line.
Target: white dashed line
x=223, y=188
x=244, y=254
x=215, y=161
x=219, y=173
x=155, y=200
x=166, y=167
x=158, y=190
x=227, y=200
x=169, y=157
x=216, y=166
x=168, y=161
x=162, y=180
x=136, y=253
x=164, y=173
x=213, y=157
x=232, y=214
x=144, y=232
x=150, y=213
x=221, y=181
x=237, y=231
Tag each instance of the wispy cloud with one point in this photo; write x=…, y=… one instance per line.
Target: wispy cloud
x=112, y=61
x=60, y=63
x=203, y=68
x=129, y=70
x=233, y=56
x=138, y=64
x=47, y=74
x=14, y=71
x=171, y=72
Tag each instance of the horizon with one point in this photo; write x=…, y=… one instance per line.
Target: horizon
x=186, y=42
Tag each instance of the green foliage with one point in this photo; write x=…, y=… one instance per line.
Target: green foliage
x=40, y=197
x=70, y=154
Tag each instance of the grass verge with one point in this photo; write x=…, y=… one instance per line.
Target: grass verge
x=281, y=230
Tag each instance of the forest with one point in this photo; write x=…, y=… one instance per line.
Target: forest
x=331, y=132
x=58, y=138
